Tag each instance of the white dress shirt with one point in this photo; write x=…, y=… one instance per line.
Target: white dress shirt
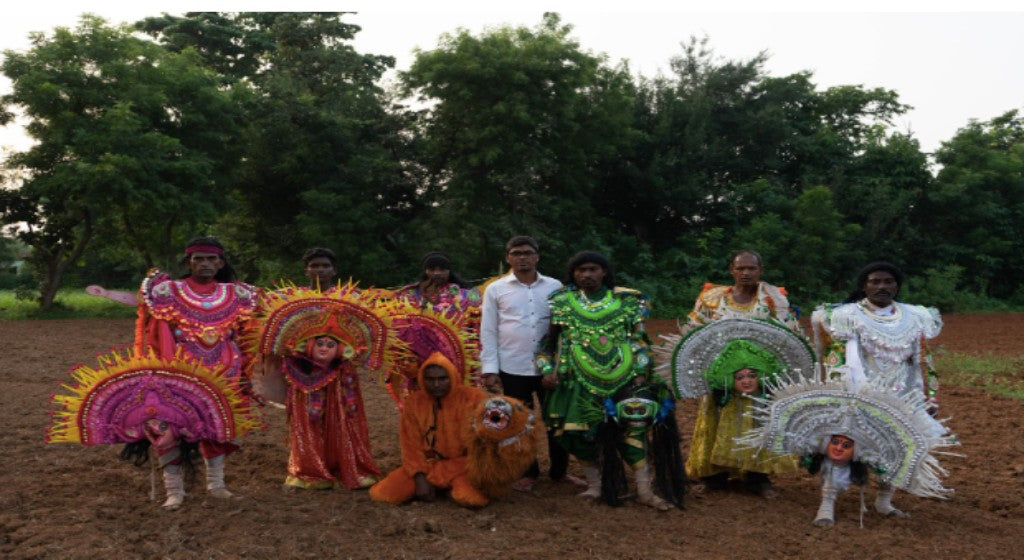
x=515, y=318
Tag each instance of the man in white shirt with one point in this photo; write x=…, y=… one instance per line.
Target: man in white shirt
x=515, y=318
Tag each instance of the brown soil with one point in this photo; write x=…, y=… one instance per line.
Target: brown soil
x=65, y=501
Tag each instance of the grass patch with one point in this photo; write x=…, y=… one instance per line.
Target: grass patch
x=69, y=304
x=1000, y=375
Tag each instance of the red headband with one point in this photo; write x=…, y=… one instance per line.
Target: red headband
x=204, y=249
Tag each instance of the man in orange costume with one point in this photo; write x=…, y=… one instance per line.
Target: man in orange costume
x=433, y=451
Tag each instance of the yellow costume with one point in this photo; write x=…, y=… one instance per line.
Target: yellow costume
x=711, y=448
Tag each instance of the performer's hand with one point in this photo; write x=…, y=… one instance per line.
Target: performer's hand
x=424, y=490
x=549, y=381
x=94, y=290
x=492, y=383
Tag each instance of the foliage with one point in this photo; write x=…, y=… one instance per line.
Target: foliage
x=130, y=141
x=973, y=215
x=272, y=132
x=324, y=161
x=68, y=304
x=522, y=121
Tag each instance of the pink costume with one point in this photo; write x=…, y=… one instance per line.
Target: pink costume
x=202, y=320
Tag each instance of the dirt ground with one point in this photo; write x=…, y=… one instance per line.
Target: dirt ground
x=66, y=501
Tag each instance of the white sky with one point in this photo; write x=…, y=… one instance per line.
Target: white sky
x=954, y=62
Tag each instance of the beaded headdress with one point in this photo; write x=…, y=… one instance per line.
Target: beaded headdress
x=692, y=358
x=421, y=331
x=112, y=403
x=290, y=316
x=894, y=433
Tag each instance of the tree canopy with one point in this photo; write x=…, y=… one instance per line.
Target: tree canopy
x=273, y=132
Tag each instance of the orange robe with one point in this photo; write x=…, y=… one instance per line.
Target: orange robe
x=439, y=453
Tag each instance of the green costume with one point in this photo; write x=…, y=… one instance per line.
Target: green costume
x=601, y=346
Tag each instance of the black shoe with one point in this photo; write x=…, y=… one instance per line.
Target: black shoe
x=717, y=481
x=759, y=484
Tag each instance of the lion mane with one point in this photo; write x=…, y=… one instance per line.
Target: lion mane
x=501, y=439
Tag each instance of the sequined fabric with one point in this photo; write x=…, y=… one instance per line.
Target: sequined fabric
x=712, y=449
x=330, y=447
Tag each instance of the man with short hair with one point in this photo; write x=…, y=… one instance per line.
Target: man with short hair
x=747, y=298
x=871, y=335
x=516, y=316
x=321, y=268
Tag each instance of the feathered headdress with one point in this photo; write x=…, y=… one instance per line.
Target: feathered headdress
x=425, y=330
x=692, y=358
x=111, y=404
x=894, y=434
x=290, y=316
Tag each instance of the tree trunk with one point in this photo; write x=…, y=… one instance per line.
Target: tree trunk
x=56, y=266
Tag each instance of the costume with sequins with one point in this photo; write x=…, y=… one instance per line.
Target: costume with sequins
x=203, y=320
x=862, y=341
x=329, y=443
x=601, y=346
x=715, y=426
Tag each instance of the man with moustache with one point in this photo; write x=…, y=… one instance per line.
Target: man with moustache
x=872, y=335
x=201, y=315
x=516, y=316
x=321, y=268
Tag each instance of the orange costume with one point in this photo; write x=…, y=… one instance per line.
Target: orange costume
x=432, y=443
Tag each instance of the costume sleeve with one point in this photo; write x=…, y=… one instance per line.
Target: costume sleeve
x=546, y=357
x=702, y=314
x=931, y=377
x=489, y=333
x=410, y=437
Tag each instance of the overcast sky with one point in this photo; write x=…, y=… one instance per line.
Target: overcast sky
x=950, y=65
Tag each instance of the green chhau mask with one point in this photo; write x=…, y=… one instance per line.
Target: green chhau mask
x=741, y=354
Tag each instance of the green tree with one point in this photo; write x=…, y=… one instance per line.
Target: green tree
x=325, y=162
x=131, y=141
x=973, y=214
x=521, y=126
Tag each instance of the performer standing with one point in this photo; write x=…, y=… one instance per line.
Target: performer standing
x=596, y=346
x=872, y=336
x=748, y=298
x=323, y=338
x=516, y=316
x=201, y=315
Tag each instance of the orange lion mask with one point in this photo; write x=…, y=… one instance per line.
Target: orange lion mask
x=501, y=439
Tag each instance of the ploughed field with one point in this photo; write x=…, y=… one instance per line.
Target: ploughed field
x=66, y=501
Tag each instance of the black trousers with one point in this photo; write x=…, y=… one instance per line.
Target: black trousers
x=523, y=387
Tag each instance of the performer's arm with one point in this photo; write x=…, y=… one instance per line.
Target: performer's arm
x=127, y=298
x=546, y=357
x=931, y=378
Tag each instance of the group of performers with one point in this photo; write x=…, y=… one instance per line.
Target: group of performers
x=464, y=366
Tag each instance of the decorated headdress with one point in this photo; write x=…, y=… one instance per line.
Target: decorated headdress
x=290, y=316
x=707, y=356
x=894, y=433
x=112, y=403
x=425, y=330
x=740, y=354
